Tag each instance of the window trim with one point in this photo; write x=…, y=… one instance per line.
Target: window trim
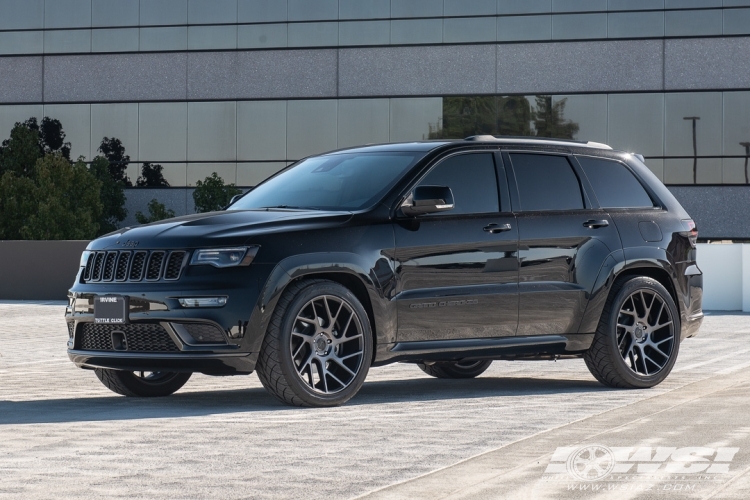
x=655, y=203
x=583, y=182
x=434, y=164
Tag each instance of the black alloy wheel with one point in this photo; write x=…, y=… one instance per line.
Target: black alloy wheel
x=318, y=346
x=142, y=384
x=456, y=369
x=637, y=341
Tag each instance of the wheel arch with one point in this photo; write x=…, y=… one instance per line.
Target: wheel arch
x=646, y=261
x=349, y=270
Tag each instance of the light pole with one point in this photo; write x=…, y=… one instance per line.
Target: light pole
x=695, y=148
x=746, y=145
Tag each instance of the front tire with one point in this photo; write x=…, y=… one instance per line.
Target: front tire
x=456, y=369
x=142, y=384
x=638, y=338
x=318, y=346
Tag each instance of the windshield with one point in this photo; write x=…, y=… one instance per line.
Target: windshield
x=349, y=181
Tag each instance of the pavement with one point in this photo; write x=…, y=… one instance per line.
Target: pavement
x=521, y=430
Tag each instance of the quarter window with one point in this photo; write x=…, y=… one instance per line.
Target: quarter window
x=472, y=179
x=614, y=185
x=546, y=182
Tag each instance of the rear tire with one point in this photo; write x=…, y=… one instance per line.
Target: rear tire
x=155, y=384
x=638, y=337
x=456, y=369
x=318, y=346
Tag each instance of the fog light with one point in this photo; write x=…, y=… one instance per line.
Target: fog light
x=203, y=301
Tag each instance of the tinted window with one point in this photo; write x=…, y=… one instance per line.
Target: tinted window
x=472, y=179
x=614, y=185
x=546, y=182
x=348, y=181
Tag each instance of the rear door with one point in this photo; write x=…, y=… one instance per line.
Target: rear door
x=458, y=270
x=564, y=238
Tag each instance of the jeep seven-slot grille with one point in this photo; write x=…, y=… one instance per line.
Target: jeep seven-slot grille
x=153, y=271
x=137, y=337
x=174, y=265
x=136, y=270
x=127, y=266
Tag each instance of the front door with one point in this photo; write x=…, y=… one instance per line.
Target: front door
x=563, y=242
x=458, y=270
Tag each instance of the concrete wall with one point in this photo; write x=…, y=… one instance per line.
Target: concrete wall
x=726, y=276
x=38, y=270
x=591, y=66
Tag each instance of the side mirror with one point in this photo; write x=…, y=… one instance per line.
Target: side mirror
x=428, y=200
x=234, y=198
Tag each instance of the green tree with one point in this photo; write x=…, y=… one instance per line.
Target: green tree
x=549, y=119
x=30, y=141
x=17, y=201
x=112, y=195
x=114, y=152
x=58, y=201
x=514, y=116
x=156, y=212
x=152, y=176
x=212, y=194
x=20, y=152
x=51, y=136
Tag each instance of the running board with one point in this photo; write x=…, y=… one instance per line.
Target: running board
x=487, y=348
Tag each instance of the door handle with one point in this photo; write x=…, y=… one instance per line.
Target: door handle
x=594, y=224
x=497, y=228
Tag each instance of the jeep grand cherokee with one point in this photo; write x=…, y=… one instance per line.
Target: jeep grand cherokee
x=445, y=254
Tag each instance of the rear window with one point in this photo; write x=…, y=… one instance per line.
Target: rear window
x=614, y=185
x=546, y=182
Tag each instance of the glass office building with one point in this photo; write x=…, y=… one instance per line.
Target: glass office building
x=244, y=87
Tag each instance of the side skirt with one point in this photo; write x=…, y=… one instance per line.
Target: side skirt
x=527, y=347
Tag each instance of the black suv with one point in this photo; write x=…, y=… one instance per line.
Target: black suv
x=446, y=254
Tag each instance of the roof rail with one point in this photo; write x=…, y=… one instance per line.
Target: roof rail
x=537, y=140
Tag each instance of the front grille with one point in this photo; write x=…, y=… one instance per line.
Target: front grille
x=139, y=337
x=127, y=266
x=109, y=266
x=122, y=266
x=96, y=274
x=136, y=270
x=153, y=271
x=71, y=329
x=174, y=265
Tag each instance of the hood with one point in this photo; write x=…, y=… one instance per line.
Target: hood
x=233, y=227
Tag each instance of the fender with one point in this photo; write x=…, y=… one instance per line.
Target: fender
x=374, y=272
x=625, y=261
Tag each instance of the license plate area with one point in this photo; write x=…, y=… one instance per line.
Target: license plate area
x=111, y=310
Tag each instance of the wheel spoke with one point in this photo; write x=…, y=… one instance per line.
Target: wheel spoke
x=342, y=365
x=648, y=358
x=344, y=358
x=301, y=345
x=344, y=340
x=336, y=379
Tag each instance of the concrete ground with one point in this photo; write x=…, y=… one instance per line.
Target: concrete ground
x=509, y=434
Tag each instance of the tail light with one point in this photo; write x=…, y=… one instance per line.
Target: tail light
x=692, y=231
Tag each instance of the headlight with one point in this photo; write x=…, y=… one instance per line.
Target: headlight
x=224, y=257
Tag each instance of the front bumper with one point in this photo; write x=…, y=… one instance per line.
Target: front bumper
x=209, y=363
x=232, y=348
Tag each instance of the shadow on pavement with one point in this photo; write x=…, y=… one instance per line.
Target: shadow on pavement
x=191, y=404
